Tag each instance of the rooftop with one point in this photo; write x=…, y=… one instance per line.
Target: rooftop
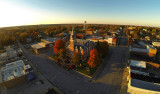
x=12, y=70
x=150, y=47
x=156, y=43
x=138, y=50
x=140, y=64
x=142, y=87
x=10, y=52
x=81, y=41
x=37, y=46
x=50, y=39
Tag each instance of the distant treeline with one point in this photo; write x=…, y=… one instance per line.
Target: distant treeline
x=9, y=35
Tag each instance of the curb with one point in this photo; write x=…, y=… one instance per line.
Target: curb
x=83, y=74
x=51, y=58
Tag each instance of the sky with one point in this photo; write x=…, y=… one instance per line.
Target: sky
x=33, y=12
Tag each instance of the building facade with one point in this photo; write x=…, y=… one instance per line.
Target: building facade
x=79, y=45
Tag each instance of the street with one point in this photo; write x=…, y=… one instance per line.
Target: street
x=69, y=83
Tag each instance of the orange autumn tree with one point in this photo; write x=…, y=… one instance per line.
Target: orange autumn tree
x=76, y=58
x=58, y=47
x=94, y=58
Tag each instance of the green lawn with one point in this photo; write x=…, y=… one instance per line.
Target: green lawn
x=89, y=73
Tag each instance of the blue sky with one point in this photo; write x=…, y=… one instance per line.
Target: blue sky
x=28, y=12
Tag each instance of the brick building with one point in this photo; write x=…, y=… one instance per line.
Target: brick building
x=80, y=45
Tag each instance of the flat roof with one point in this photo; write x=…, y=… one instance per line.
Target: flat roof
x=139, y=72
x=138, y=49
x=50, y=39
x=81, y=40
x=156, y=43
x=140, y=64
x=150, y=47
x=37, y=46
x=12, y=70
x=145, y=86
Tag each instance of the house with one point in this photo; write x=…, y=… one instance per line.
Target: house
x=29, y=39
x=147, y=38
x=111, y=40
x=95, y=39
x=79, y=45
x=50, y=41
x=80, y=36
x=89, y=32
x=131, y=27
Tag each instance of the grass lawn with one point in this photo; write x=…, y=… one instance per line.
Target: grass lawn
x=89, y=73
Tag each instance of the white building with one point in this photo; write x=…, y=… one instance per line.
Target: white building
x=13, y=70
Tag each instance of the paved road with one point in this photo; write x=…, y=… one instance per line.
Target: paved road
x=122, y=41
x=67, y=81
x=113, y=69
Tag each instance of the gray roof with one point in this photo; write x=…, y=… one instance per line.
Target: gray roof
x=51, y=39
x=145, y=85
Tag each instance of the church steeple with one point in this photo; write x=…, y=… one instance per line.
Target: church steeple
x=72, y=39
x=72, y=36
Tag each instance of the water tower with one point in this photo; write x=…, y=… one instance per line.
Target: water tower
x=85, y=25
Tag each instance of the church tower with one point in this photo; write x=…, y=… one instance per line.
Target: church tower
x=72, y=40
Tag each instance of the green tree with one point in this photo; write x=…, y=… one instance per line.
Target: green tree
x=103, y=48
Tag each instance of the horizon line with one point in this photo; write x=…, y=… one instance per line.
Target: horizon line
x=79, y=23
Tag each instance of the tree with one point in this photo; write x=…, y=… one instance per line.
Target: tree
x=23, y=36
x=76, y=58
x=62, y=53
x=135, y=35
x=102, y=48
x=59, y=45
x=127, y=33
x=59, y=35
x=94, y=59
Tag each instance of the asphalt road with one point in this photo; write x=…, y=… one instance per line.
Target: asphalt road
x=122, y=41
x=69, y=83
x=113, y=69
